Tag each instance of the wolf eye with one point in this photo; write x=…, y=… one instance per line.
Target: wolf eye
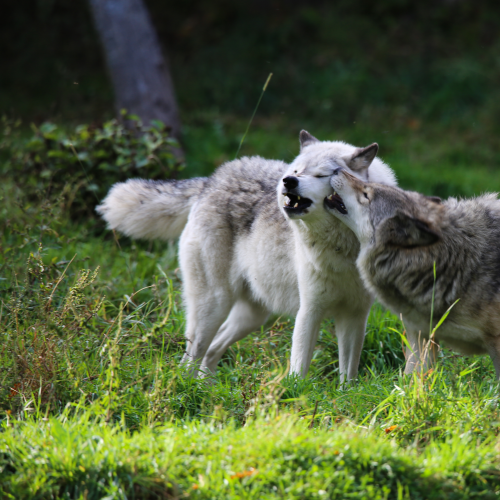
x=320, y=176
x=366, y=196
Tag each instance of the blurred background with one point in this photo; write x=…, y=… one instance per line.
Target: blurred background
x=420, y=78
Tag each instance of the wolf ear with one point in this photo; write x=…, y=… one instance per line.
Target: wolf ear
x=405, y=231
x=362, y=158
x=306, y=139
x=435, y=199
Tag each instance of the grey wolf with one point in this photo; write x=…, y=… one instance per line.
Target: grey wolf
x=402, y=234
x=256, y=238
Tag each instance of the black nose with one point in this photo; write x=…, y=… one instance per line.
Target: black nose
x=290, y=182
x=337, y=171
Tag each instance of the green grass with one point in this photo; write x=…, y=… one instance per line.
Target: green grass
x=93, y=402
x=272, y=457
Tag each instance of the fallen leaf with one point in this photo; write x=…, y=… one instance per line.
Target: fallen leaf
x=246, y=473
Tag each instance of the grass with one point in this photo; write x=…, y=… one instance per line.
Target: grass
x=273, y=457
x=93, y=402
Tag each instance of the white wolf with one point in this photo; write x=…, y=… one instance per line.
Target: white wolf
x=245, y=252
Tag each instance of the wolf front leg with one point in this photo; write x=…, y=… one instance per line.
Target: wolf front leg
x=493, y=347
x=422, y=352
x=350, y=328
x=305, y=335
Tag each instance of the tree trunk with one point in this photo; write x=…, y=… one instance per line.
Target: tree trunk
x=140, y=74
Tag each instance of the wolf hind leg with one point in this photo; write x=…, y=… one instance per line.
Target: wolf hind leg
x=245, y=317
x=205, y=257
x=204, y=319
x=421, y=354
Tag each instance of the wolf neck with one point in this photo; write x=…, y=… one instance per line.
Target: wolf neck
x=326, y=238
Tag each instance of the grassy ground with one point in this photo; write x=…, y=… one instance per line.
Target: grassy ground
x=268, y=458
x=94, y=405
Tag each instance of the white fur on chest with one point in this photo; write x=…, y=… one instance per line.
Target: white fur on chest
x=315, y=258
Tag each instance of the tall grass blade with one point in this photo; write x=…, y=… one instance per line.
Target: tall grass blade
x=253, y=114
x=445, y=315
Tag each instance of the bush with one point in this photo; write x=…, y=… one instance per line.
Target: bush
x=81, y=165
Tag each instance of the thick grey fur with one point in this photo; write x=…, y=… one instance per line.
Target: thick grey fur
x=402, y=235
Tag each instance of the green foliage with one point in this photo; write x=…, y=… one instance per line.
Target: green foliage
x=433, y=159
x=42, y=326
x=392, y=61
x=82, y=164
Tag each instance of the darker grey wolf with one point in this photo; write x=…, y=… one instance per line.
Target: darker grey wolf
x=402, y=234
x=256, y=238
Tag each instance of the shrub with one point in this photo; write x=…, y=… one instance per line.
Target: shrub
x=82, y=164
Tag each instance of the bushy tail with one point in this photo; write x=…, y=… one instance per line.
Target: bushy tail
x=150, y=209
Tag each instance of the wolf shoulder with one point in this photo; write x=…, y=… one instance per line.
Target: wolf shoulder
x=466, y=256
x=249, y=173
x=240, y=192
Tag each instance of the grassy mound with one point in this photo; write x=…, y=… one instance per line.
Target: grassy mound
x=268, y=458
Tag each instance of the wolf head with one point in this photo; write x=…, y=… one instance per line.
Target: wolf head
x=384, y=215
x=306, y=184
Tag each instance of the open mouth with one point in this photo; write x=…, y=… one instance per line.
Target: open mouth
x=336, y=202
x=295, y=203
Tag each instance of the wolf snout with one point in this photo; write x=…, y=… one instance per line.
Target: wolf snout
x=337, y=171
x=290, y=182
